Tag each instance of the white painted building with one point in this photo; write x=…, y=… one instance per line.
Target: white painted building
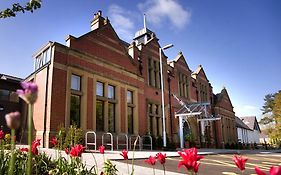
x=264, y=138
x=252, y=123
x=242, y=131
x=248, y=130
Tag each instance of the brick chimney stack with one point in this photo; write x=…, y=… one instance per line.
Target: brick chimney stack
x=98, y=21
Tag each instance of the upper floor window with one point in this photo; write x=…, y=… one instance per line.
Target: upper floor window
x=111, y=92
x=154, y=73
x=183, y=85
x=130, y=97
x=100, y=89
x=75, y=82
x=203, y=92
x=42, y=58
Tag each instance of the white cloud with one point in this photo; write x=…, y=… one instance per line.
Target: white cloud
x=122, y=21
x=250, y=107
x=247, y=110
x=158, y=10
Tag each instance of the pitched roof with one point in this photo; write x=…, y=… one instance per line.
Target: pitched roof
x=219, y=96
x=251, y=122
x=241, y=124
x=197, y=71
x=178, y=57
x=10, y=78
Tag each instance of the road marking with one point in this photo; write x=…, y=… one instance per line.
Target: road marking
x=221, y=162
x=210, y=163
x=252, y=158
x=265, y=166
x=271, y=163
x=229, y=173
x=231, y=164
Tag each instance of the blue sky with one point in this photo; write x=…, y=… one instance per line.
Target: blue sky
x=238, y=42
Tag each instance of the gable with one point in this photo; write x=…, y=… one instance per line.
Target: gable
x=202, y=74
x=199, y=72
x=223, y=100
x=103, y=43
x=107, y=35
x=181, y=62
x=226, y=96
x=153, y=44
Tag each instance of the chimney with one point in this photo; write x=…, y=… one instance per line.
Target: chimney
x=98, y=21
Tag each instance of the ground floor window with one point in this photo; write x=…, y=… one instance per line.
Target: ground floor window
x=130, y=111
x=154, y=119
x=75, y=103
x=99, y=115
x=111, y=117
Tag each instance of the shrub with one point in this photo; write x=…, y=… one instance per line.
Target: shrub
x=43, y=164
x=170, y=144
x=153, y=142
x=159, y=142
x=227, y=146
x=70, y=137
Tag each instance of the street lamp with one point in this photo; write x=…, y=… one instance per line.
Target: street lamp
x=162, y=92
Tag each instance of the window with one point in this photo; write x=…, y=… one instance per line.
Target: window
x=105, y=101
x=42, y=58
x=154, y=73
x=111, y=92
x=150, y=72
x=130, y=112
x=151, y=125
x=111, y=117
x=157, y=126
x=4, y=95
x=130, y=120
x=130, y=97
x=75, y=82
x=99, y=115
x=75, y=100
x=100, y=89
x=14, y=97
x=75, y=110
x=154, y=115
x=203, y=92
x=183, y=85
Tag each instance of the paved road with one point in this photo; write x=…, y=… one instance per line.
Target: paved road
x=222, y=164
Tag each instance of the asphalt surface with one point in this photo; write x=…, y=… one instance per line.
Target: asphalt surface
x=221, y=164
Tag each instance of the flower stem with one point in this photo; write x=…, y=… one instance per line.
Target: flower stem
x=97, y=170
x=135, y=143
x=153, y=170
x=128, y=167
x=164, y=169
x=2, y=149
x=29, y=139
x=12, y=161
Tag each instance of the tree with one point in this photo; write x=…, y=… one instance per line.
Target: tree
x=16, y=8
x=267, y=109
x=272, y=115
x=277, y=108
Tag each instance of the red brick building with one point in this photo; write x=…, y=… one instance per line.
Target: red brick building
x=101, y=83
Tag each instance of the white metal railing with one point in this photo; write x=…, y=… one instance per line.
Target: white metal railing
x=122, y=144
x=136, y=137
x=89, y=133
x=111, y=140
x=144, y=137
